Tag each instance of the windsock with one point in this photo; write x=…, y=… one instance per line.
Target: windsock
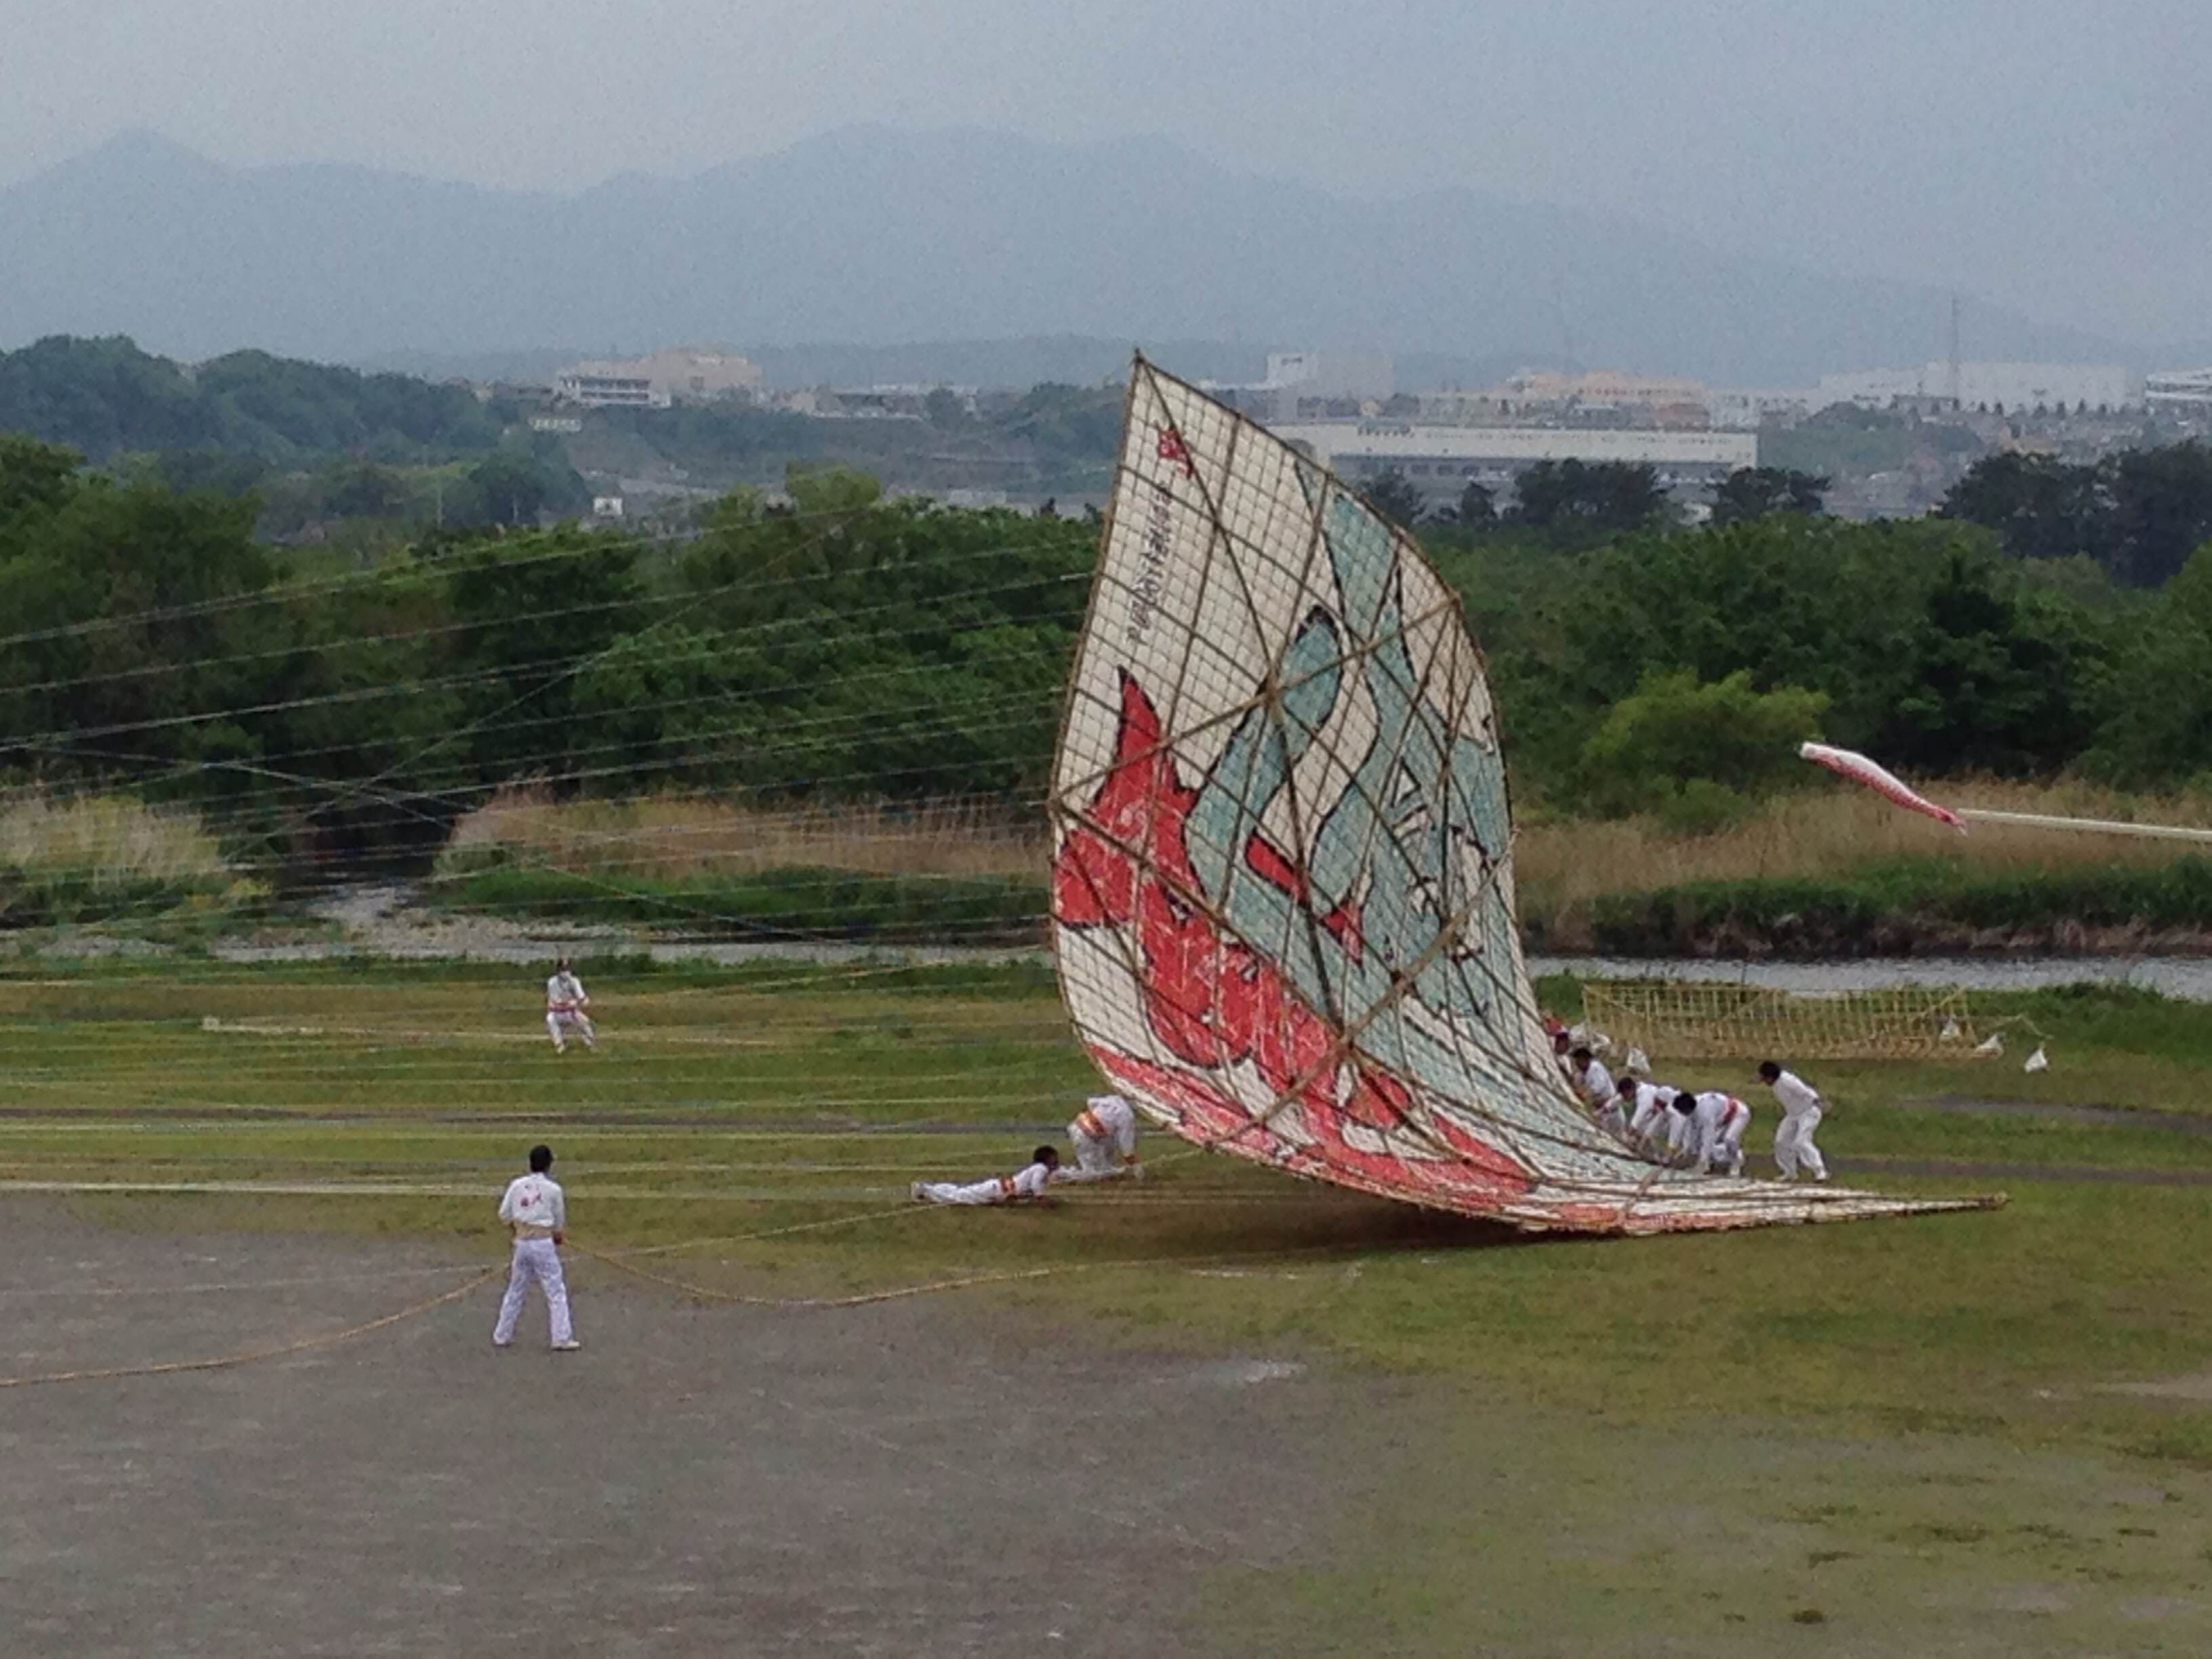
x=1858, y=768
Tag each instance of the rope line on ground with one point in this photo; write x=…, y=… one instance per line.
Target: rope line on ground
x=929, y=1287
x=252, y=1356
x=225, y=1286
x=909, y=1208
x=816, y=1303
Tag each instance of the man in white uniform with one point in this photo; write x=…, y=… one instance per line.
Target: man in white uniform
x=1713, y=1124
x=1801, y=1116
x=1104, y=1136
x=1024, y=1185
x=536, y=1212
x=565, y=1003
x=1594, y=1084
x=1648, y=1116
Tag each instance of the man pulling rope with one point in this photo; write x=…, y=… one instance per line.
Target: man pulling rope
x=565, y=1003
x=536, y=1212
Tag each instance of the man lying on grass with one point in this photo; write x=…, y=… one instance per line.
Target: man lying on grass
x=1024, y=1186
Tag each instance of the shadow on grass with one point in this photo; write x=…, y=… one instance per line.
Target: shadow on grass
x=1307, y=1224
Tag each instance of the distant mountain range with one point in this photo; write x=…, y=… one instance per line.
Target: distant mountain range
x=1033, y=254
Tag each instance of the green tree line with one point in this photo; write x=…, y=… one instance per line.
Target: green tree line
x=106, y=398
x=838, y=645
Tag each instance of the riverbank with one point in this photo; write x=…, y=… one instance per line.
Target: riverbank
x=388, y=922
x=1821, y=876
x=1919, y=906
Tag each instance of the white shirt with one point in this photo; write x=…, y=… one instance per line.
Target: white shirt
x=1113, y=1112
x=1597, y=1085
x=1797, y=1096
x=1026, y=1183
x=564, y=992
x=535, y=1204
x=1651, y=1100
x=1714, y=1116
x=1106, y=1120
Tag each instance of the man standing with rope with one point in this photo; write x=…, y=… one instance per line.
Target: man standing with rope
x=1801, y=1108
x=536, y=1212
x=565, y=1002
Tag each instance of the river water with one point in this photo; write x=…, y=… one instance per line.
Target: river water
x=385, y=921
x=2187, y=977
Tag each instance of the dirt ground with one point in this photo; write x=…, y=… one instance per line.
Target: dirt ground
x=910, y=1478
x=954, y=1475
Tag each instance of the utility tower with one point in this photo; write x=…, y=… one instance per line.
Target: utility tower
x=1957, y=380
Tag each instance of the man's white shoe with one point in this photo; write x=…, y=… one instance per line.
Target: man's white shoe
x=913, y=1192
x=566, y=1347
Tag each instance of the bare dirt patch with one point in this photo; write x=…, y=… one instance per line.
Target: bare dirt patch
x=923, y=1477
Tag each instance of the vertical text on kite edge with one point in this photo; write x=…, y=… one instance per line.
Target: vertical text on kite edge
x=1144, y=592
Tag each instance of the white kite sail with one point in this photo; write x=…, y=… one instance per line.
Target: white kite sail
x=1282, y=877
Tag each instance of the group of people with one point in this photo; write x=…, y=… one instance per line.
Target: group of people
x=1703, y=1129
x=1103, y=1136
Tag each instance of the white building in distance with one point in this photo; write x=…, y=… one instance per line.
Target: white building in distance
x=1312, y=384
x=2185, y=393
x=2016, y=388
x=1443, y=460
x=1745, y=408
x=674, y=374
x=1601, y=397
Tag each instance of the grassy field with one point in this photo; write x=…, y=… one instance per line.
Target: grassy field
x=1889, y=1421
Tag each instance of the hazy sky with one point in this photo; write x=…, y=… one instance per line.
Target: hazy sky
x=2057, y=156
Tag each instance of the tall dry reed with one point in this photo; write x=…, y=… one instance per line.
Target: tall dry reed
x=111, y=840
x=1563, y=865
x=678, y=836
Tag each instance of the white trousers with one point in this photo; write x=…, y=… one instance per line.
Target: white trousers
x=1793, y=1145
x=1098, y=1157
x=952, y=1191
x=1728, y=1145
x=538, y=1259
x=580, y=1024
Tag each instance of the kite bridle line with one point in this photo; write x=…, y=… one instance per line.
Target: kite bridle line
x=2088, y=826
